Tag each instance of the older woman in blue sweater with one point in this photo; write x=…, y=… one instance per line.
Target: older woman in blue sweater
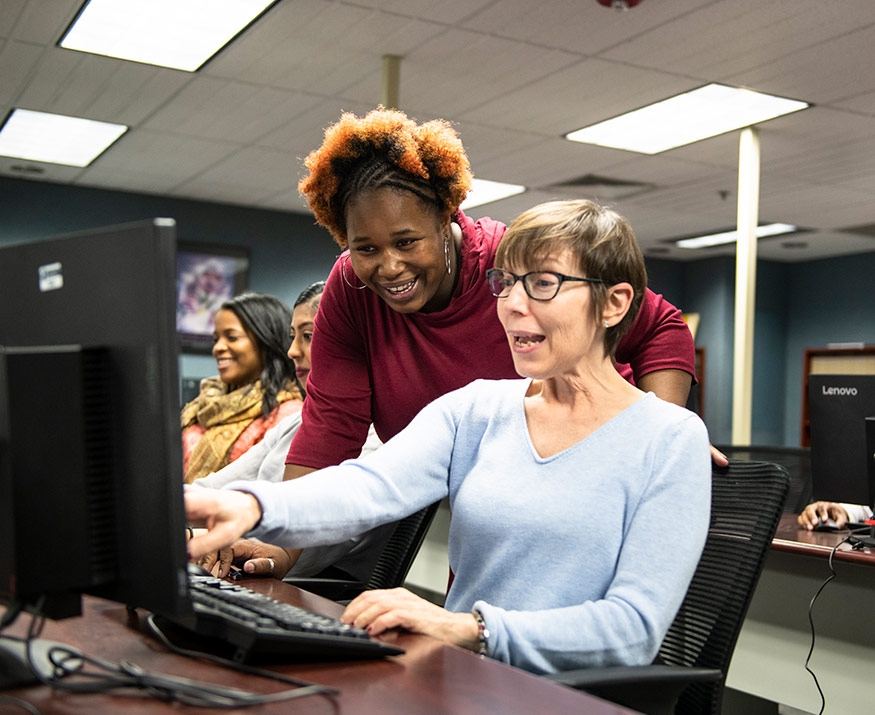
x=562, y=484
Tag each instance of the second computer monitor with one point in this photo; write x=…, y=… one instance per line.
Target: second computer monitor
x=842, y=465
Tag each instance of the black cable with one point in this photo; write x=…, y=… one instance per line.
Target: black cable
x=105, y=677
x=832, y=575
x=233, y=665
x=125, y=675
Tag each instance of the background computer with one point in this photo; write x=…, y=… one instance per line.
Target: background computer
x=842, y=464
x=90, y=452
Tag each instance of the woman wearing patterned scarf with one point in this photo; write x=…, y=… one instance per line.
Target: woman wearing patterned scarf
x=254, y=390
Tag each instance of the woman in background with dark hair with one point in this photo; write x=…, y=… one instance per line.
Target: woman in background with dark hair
x=254, y=390
x=265, y=460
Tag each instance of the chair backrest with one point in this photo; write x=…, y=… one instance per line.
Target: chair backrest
x=394, y=563
x=746, y=505
x=797, y=460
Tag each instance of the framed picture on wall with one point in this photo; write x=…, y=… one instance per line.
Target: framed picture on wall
x=206, y=276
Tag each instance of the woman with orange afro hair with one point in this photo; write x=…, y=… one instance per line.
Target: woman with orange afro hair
x=407, y=315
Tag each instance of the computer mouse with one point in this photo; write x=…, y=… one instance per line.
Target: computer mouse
x=827, y=525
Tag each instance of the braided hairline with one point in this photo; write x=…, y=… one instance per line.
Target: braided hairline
x=384, y=148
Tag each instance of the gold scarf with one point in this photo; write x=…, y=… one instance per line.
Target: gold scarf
x=223, y=416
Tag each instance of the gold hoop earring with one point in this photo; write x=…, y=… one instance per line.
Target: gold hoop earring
x=345, y=279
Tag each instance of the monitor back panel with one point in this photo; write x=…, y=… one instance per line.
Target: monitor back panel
x=841, y=463
x=115, y=287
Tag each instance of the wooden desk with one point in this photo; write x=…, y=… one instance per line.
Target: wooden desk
x=769, y=659
x=431, y=677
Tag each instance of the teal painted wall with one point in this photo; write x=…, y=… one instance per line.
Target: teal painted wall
x=799, y=305
x=287, y=251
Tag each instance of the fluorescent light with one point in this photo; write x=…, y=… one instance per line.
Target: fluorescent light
x=180, y=34
x=717, y=239
x=56, y=139
x=690, y=117
x=484, y=192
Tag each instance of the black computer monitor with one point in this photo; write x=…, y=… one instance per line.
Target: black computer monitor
x=90, y=448
x=842, y=467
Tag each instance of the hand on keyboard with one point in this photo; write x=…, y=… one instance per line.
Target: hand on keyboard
x=259, y=625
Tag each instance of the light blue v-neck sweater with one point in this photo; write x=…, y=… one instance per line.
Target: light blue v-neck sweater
x=577, y=560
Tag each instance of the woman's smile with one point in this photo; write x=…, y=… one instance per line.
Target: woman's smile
x=402, y=290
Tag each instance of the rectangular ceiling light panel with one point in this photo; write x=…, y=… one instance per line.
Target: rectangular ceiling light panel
x=180, y=34
x=485, y=192
x=55, y=138
x=718, y=239
x=686, y=118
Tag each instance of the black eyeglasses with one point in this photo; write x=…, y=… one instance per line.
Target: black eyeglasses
x=539, y=285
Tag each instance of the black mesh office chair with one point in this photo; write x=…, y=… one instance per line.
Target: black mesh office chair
x=688, y=675
x=797, y=460
x=391, y=568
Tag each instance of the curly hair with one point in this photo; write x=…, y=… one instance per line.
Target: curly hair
x=384, y=148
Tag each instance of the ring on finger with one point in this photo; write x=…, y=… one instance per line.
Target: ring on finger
x=272, y=564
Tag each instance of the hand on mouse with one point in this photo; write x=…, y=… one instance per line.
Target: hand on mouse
x=822, y=511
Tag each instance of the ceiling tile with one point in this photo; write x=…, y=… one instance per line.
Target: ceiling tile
x=513, y=76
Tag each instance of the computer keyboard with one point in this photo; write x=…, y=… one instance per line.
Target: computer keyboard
x=255, y=625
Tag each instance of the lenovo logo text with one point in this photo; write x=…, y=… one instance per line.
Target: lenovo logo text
x=839, y=390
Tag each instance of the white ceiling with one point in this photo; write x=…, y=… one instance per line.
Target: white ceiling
x=514, y=76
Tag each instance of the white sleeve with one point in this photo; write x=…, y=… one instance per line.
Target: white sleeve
x=857, y=512
x=264, y=460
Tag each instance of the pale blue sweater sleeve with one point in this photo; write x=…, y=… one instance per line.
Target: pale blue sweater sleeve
x=407, y=473
x=265, y=461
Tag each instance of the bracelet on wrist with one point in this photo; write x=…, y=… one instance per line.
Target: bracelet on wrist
x=482, y=633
